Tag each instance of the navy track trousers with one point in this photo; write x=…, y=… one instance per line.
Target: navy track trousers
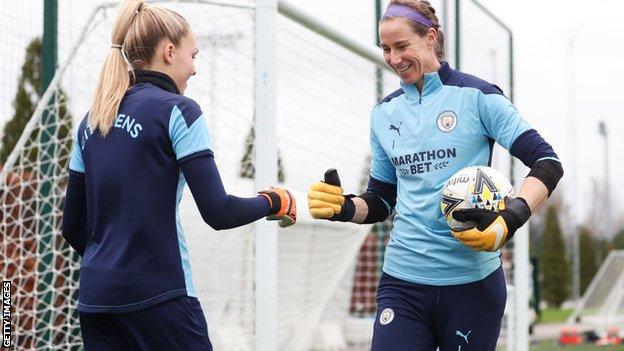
x=176, y=324
x=416, y=317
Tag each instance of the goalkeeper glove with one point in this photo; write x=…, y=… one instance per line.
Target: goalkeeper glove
x=493, y=229
x=326, y=199
x=283, y=206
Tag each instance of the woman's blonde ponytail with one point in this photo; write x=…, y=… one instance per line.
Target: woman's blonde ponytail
x=138, y=29
x=114, y=78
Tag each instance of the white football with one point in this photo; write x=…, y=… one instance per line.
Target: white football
x=474, y=187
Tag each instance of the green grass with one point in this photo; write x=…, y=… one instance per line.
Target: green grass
x=552, y=345
x=552, y=315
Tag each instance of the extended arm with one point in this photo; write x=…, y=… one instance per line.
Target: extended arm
x=217, y=208
x=326, y=201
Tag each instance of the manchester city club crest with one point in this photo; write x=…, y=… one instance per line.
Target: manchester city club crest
x=386, y=316
x=447, y=121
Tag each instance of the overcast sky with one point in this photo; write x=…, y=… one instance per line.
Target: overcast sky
x=568, y=66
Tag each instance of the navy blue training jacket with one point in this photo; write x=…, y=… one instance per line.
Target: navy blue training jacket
x=121, y=208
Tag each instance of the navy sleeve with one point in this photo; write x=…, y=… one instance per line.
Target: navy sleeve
x=74, y=227
x=387, y=191
x=380, y=197
x=217, y=208
x=529, y=147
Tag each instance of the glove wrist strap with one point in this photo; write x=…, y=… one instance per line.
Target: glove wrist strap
x=519, y=207
x=347, y=212
x=274, y=201
x=519, y=211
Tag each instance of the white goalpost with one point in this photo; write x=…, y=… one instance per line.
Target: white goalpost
x=285, y=97
x=602, y=304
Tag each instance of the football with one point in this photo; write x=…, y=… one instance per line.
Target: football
x=474, y=187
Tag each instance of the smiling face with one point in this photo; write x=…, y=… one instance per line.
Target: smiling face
x=408, y=53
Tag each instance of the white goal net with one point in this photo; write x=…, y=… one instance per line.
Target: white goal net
x=602, y=305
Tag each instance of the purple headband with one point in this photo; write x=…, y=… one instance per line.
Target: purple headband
x=409, y=13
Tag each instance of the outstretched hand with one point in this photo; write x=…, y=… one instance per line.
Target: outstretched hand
x=283, y=206
x=326, y=199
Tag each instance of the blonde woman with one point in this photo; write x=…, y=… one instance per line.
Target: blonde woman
x=439, y=288
x=139, y=144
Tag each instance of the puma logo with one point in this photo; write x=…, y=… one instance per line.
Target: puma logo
x=398, y=129
x=458, y=333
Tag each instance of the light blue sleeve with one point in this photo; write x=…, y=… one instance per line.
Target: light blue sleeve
x=76, y=162
x=381, y=167
x=188, y=140
x=500, y=119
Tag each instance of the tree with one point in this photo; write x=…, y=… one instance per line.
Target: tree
x=26, y=99
x=588, y=262
x=556, y=272
x=537, y=222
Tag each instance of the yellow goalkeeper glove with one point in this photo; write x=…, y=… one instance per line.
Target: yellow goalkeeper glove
x=493, y=229
x=326, y=199
x=283, y=206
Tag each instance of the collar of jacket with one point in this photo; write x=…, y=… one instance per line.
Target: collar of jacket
x=158, y=79
x=433, y=82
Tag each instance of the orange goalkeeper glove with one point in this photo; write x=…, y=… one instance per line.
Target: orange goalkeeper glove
x=493, y=229
x=283, y=206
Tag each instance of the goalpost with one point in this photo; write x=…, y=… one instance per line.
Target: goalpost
x=311, y=98
x=602, y=304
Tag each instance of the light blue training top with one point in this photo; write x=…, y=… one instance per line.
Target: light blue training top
x=418, y=141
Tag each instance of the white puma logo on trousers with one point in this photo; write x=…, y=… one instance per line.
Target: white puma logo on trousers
x=458, y=333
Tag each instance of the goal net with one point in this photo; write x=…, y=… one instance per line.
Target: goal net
x=324, y=97
x=602, y=304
